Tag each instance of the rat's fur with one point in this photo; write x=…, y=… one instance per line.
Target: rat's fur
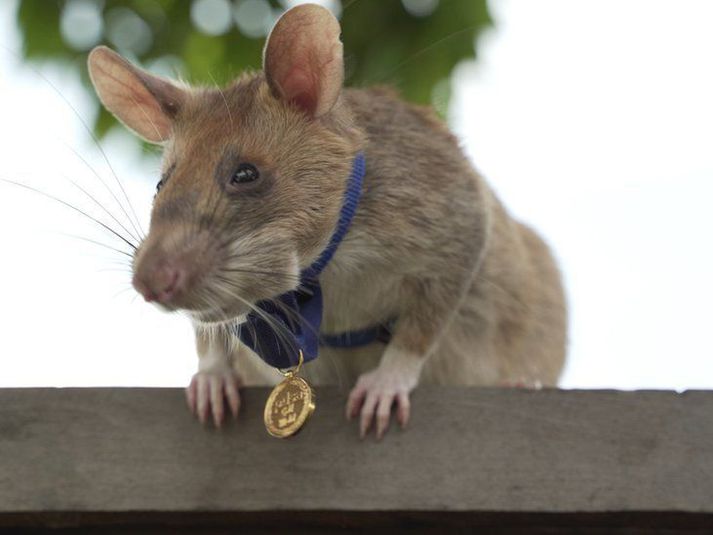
x=431, y=242
x=477, y=295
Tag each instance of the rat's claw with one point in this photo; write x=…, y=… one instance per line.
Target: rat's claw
x=216, y=399
x=403, y=410
x=192, y=395
x=207, y=393
x=367, y=414
x=373, y=397
x=383, y=414
x=232, y=395
x=203, y=404
x=356, y=398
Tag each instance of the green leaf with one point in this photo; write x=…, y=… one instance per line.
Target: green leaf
x=383, y=44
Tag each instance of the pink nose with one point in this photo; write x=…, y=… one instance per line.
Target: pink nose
x=160, y=284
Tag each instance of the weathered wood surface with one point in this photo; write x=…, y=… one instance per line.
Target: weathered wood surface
x=507, y=461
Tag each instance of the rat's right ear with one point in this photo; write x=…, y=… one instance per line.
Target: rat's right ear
x=147, y=104
x=303, y=59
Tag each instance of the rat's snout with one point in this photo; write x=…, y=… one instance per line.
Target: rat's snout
x=160, y=283
x=170, y=264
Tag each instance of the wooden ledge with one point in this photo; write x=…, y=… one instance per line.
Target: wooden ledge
x=133, y=460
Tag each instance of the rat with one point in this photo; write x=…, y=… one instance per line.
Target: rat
x=252, y=185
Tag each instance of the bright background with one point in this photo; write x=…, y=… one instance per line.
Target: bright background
x=592, y=119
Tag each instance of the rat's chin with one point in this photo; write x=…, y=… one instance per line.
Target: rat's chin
x=220, y=316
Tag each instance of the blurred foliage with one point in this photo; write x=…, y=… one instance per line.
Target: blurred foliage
x=384, y=43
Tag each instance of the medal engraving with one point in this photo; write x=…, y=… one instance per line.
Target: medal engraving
x=288, y=407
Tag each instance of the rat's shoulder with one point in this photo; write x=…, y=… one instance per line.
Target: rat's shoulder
x=394, y=126
x=383, y=106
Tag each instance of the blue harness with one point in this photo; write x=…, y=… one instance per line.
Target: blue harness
x=299, y=312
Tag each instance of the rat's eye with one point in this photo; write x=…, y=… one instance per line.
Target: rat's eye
x=164, y=178
x=246, y=172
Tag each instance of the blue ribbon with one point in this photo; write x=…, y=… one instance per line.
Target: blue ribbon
x=379, y=333
x=299, y=312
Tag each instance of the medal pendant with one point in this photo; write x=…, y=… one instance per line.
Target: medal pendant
x=289, y=405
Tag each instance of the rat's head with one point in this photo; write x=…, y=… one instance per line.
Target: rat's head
x=253, y=174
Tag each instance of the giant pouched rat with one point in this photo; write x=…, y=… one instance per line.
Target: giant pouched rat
x=253, y=182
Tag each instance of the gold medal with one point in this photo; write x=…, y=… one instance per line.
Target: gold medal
x=289, y=405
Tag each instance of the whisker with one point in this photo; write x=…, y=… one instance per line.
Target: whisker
x=122, y=291
x=95, y=242
x=88, y=130
x=113, y=270
x=274, y=274
x=100, y=205
x=253, y=335
x=280, y=331
x=206, y=295
x=111, y=192
x=294, y=315
x=68, y=205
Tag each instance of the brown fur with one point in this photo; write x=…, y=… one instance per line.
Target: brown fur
x=471, y=287
x=477, y=295
x=432, y=245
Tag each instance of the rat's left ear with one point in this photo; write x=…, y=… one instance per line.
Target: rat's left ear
x=303, y=59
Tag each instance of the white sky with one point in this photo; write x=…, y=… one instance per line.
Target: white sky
x=592, y=119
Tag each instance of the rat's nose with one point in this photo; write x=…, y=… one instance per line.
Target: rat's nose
x=160, y=284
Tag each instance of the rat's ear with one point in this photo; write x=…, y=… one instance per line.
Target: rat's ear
x=303, y=59
x=145, y=103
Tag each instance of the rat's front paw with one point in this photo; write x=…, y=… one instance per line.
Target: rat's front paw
x=374, y=395
x=207, y=392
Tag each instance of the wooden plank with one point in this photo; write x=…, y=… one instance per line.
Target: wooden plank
x=512, y=459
